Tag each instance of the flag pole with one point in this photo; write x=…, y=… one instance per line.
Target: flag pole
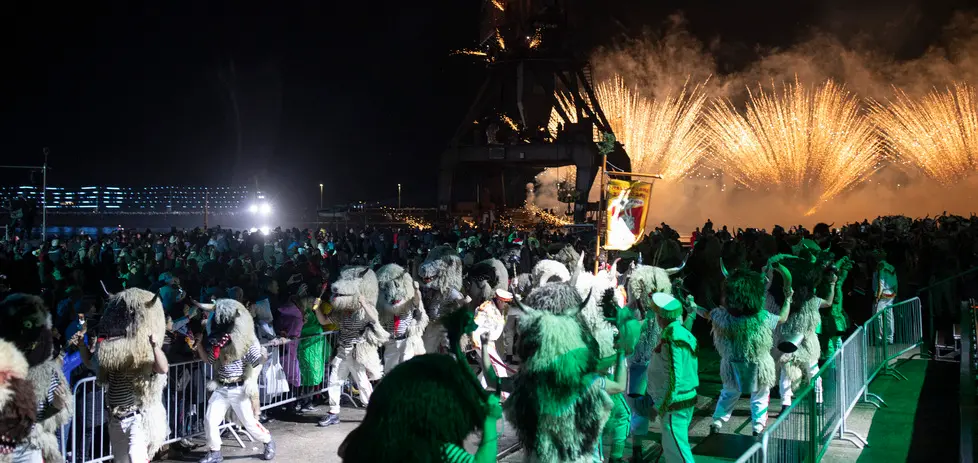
x=602, y=210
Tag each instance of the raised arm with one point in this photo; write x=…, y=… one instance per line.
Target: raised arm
x=699, y=310
x=488, y=447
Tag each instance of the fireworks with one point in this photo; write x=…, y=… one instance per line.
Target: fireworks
x=661, y=136
x=535, y=40
x=812, y=143
x=498, y=5
x=547, y=217
x=938, y=134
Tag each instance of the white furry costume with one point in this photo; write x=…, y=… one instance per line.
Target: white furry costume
x=354, y=301
x=18, y=411
x=242, y=336
x=798, y=368
x=27, y=324
x=441, y=282
x=402, y=314
x=129, y=353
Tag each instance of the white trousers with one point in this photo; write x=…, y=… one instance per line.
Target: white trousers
x=26, y=454
x=728, y=399
x=435, y=338
x=236, y=399
x=341, y=368
x=396, y=352
x=784, y=386
x=885, y=304
x=128, y=441
x=501, y=371
x=675, y=436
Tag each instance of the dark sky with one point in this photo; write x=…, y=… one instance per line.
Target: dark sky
x=356, y=95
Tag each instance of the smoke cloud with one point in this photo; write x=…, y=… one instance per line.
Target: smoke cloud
x=659, y=64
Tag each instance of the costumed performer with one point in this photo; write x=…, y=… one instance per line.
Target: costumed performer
x=27, y=324
x=18, y=410
x=885, y=292
x=742, y=334
x=402, y=313
x=129, y=363
x=559, y=404
x=354, y=298
x=233, y=349
x=673, y=378
x=425, y=408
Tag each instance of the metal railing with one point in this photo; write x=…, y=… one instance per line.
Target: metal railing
x=967, y=388
x=803, y=432
x=941, y=292
x=85, y=439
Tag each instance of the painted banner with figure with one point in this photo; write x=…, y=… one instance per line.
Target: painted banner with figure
x=628, y=207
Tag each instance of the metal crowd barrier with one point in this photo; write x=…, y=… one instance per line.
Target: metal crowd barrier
x=86, y=439
x=817, y=416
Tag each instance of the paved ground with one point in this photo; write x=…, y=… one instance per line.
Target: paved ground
x=891, y=430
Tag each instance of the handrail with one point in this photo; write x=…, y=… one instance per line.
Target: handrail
x=967, y=384
x=966, y=272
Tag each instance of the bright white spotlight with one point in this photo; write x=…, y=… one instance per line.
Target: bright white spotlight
x=266, y=209
x=265, y=230
x=253, y=230
x=253, y=208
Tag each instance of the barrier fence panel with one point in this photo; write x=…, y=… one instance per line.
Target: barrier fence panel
x=828, y=403
x=852, y=359
x=282, y=380
x=874, y=345
x=85, y=439
x=755, y=454
x=803, y=432
x=907, y=328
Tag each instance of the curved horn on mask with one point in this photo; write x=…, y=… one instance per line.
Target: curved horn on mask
x=519, y=303
x=205, y=307
x=723, y=269
x=586, y=300
x=152, y=301
x=107, y=293
x=675, y=270
x=614, y=270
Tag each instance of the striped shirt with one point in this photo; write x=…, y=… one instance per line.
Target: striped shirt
x=399, y=325
x=352, y=325
x=48, y=399
x=120, y=395
x=233, y=371
x=451, y=453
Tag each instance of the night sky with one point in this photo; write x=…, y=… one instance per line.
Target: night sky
x=356, y=95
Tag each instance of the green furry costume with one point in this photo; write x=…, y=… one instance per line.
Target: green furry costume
x=424, y=409
x=835, y=322
x=557, y=406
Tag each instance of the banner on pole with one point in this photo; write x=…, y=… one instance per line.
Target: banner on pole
x=628, y=207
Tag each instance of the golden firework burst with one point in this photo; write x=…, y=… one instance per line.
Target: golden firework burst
x=938, y=133
x=812, y=143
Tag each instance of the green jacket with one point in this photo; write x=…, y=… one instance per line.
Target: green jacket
x=674, y=370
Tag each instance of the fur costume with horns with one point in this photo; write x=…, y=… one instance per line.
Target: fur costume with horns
x=803, y=320
x=357, y=292
x=441, y=286
x=130, y=318
x=28, y=326
x=399, y=296
x=643, y=281
x=231, y=332
x=556, y=406
x=740, y=332
x=18, y=407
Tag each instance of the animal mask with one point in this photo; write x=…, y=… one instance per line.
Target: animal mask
x=230, y=329
x=357, y=286
x=130, y=317
x=18, y=406
x=27, y=324
x=442, y=270
x=396, y=290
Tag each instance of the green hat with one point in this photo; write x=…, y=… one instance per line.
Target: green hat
x=666, y=306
